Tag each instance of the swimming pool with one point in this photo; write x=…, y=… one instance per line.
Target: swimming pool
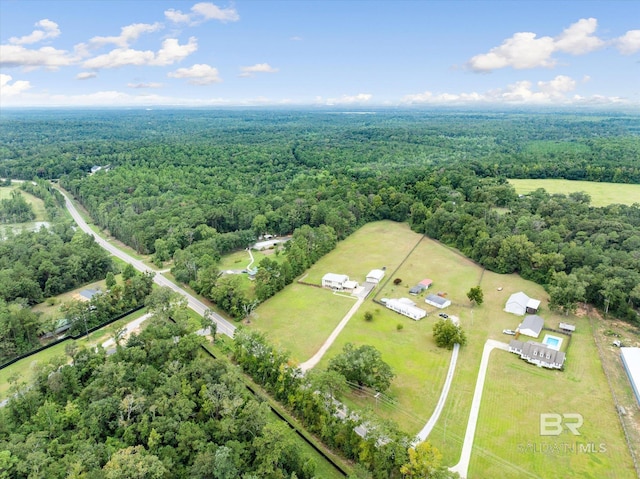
x=554, y=342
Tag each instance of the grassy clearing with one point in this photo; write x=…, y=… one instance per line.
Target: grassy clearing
x=421, y=366
x=51, y=310
x=602, y=194
x=375, y=245
x=516, y=394
x=300, y=318
x=27, y=367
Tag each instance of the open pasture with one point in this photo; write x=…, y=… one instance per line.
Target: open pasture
x=602, y=194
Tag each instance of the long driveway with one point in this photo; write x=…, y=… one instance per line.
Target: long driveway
x=465, y=457
x=224, y=326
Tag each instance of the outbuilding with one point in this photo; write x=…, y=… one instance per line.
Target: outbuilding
x=521, y=304
x=631, y=362
x=437, y=301
x=531, y=326
x=375, y=276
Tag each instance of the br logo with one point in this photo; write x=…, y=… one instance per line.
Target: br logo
x=552, y=424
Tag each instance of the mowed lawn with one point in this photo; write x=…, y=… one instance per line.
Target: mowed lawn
x=602, y=194
x=421, y=367
x=300, y=318
x=508, y=436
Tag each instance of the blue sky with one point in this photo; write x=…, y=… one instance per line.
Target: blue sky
x=340, y=52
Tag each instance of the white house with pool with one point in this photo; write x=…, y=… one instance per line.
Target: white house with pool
x=539, y=354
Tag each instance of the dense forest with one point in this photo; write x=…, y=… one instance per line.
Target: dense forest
x=190, y=186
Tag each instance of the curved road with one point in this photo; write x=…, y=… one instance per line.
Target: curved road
x=224, y=326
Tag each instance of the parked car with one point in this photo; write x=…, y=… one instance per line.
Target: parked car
x=443, y=315
x=509, y=331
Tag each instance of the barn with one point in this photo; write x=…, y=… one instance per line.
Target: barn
x=631, y=362
x=375, y=276
x=521, y=304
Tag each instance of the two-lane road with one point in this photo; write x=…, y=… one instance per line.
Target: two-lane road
x=224, y=326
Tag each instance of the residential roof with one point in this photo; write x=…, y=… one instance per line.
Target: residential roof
x=416, y=290
x=533, y=322
x=406, y=301
x=434, y=298
x=351, y=284
x=516, y=344
x=406, y=308
x=89, y=293
x=542, y=350
x=336, y=278
x=426, y=282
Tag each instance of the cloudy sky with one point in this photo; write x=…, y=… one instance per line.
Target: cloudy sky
x=324, y=52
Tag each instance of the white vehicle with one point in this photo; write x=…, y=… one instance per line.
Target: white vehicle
x=509, y=331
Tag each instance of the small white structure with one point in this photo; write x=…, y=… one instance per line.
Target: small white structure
x=631, y=362
x=437, y=301
x=375, y=276
x=521, y=304
x=334, y=281
x=567, y=328
x=407, y=308
x=531, y=326
x=350, y=285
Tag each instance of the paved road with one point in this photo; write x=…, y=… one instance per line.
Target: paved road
x=463, y=466
x=224, y=326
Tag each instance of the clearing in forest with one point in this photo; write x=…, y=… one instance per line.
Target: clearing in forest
x=602, y=194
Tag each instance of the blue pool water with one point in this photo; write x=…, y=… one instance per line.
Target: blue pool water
x=552, y=341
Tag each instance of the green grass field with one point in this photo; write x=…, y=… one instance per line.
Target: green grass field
x=421, y=366
x=602, y=194
x=38, y=209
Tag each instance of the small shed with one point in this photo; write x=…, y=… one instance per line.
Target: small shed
x=437, y=301
x=416, y=290
x=375, y=276
x=566, y=327
x=531, y=326
x=426, y=283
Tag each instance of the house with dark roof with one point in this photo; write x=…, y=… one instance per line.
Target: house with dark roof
x=437, y=301
x=531, y=326
x=538, y=354
x=88, y=294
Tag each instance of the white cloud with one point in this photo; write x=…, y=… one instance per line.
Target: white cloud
x=578, y=39
x=526, y=50
x=296, y=38
x=128, y=35
x=257, y=68
x=144, y=85
x=176, y=16
x=522, y=92
x=345, y=99
x=48, y=29
x=629, y=42
x=48, y=57
x=202, y=12
x=212, y=12
x=8, y=89
x=171, y=52
x=198, y=74
x=86, y=75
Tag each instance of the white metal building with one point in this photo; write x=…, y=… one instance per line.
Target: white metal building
x=631, y=362
x=407, y=308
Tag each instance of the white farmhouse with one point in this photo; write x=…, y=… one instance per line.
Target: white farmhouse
x=335, y=281
x=407, y=308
